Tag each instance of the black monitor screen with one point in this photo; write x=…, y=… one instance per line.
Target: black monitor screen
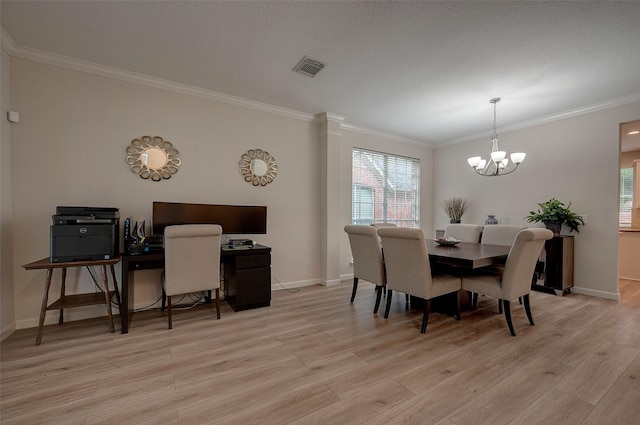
x=234, y=219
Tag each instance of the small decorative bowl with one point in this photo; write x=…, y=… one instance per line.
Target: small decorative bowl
x=448, y=241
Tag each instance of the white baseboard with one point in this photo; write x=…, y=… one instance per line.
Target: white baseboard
x=629, y=278
x=291, y=285
x=596, y=293
x=8, y=330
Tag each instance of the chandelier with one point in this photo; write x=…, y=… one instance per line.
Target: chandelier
x=498, y=165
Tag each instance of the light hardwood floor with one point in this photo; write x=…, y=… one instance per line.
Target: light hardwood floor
x=314, y=358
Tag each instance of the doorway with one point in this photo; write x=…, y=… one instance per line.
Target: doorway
x=629, y=213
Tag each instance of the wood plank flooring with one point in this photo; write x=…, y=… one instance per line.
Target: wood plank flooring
x=314, y=358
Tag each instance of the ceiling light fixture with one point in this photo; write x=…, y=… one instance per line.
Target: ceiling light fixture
x=498, y=165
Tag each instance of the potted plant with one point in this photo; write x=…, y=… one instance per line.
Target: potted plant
x=554, y=214
x=454, y=208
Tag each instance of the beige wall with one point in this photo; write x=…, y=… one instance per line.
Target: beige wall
x=7, y=323
x=575, y=160
x=69, y=150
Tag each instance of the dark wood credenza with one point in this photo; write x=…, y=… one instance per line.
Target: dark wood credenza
x=246, y=273
x=558, y=265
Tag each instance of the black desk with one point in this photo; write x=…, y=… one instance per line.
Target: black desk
x=246, y=272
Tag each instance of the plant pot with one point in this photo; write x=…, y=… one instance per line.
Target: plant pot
x=555, y=227
x=454, y=221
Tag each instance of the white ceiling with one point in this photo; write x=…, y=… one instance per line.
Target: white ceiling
x=420, y=70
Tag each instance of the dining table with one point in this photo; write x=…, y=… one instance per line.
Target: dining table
x=467, y=255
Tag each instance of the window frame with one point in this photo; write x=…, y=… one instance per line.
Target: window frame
x=395, y=183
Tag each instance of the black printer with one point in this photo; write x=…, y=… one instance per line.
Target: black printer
x=84, y=233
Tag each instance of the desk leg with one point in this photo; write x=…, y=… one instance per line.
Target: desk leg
x=107, y=296
x=127, y=297
x=43, y=308
x=62, y=291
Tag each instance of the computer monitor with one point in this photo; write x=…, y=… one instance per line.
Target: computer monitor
x=234, y=219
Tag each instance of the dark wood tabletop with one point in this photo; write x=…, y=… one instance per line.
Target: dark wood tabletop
x=467, y=255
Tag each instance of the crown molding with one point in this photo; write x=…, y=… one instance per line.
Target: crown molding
x=383, y=135
x=133, y=77
x=607, y=104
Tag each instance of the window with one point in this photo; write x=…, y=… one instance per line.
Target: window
x=385, y=189
x=626, y=196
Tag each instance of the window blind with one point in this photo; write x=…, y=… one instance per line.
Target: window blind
x=385, y=188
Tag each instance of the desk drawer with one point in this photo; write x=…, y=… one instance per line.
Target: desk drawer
x=253, y=261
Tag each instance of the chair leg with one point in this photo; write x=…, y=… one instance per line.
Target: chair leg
x=474, y=299
x=218, y=302
x=457, y=312
x=378, y=297
x=386, y=311
x=169, y=311
x=507, y=315
x=499, y=306
x=527, y=308
x=425, y=316
x=355, y=288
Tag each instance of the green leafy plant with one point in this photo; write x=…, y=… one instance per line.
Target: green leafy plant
x=454, y=208
x=555, y=212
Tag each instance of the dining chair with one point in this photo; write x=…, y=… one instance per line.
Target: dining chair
x=500, y=234
x=367, y=259
x=463, y=232
x=513, y=280
x=408, y=270
x=381, y=225
x=191, y=261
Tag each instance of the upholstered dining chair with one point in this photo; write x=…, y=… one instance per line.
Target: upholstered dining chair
x=463, y=232
x=408, y=270
x=191, y=261
x=381, y=225
x=500, y=234
x=513, y=280
x=367, y=259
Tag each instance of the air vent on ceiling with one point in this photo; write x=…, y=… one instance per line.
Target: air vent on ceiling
x=308, y=66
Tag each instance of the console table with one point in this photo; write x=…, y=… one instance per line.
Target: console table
x=246, y=273
x=76, y=300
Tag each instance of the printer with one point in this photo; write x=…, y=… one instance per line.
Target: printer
x=84, y=234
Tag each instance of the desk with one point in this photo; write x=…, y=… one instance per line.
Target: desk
x=246, y=272
x=77, y=300
x=466, y=255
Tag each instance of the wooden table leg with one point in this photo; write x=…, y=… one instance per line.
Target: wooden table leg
x=62, y=290
x=115, y=285
x=43, y=308
x=107, y=295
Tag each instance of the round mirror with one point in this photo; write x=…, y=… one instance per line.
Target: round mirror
x=153, y=158
x=258, y=167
